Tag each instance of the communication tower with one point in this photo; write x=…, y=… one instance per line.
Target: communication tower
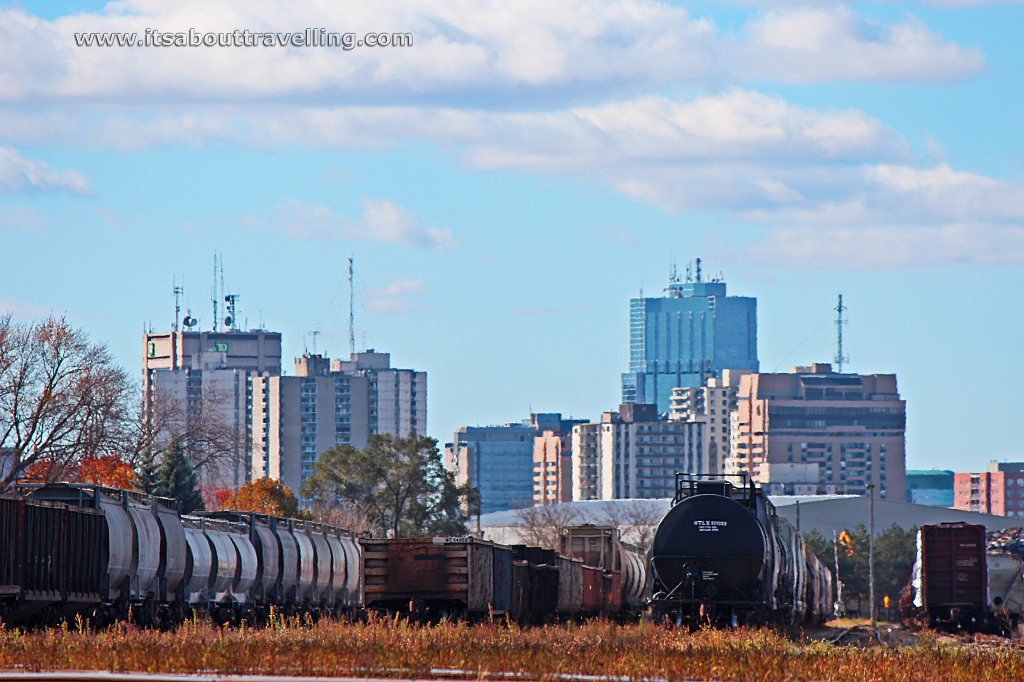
x=840, y=358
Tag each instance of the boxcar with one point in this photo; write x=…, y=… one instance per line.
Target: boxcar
x=950, y=578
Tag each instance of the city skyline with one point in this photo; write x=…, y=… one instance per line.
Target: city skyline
x=507, y=185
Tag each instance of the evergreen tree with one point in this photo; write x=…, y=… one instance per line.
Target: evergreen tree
x=146, y=472
x=177, y=479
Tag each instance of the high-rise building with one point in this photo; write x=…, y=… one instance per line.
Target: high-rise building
x=999, y=490
x=196, y=387
x=633, y=454
x=552, y=458
x=711, y=404
x=930, y=487
x=296, y=418
x=813, y=431
x=687, y=336
x=497, y=461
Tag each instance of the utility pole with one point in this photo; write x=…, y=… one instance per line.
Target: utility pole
x=840, y=358
x=871, y=553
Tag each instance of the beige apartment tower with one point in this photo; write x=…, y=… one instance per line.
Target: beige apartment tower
x=328, y=403
x=813, y=431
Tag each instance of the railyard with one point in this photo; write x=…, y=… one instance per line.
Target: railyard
x=596, y=650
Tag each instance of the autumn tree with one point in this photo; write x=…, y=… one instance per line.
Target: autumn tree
x=264, y=496
x=895, y=550
x=62, y=398
x=399, y=484
x=176, y=478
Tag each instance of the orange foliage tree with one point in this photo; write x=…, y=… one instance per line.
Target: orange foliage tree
x=264, y=496
x=112, y=471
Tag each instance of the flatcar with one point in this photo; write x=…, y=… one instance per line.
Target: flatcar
x=721, y=555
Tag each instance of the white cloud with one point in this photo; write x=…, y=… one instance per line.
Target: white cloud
x=391, y=299
x=478, y=53
x=22, y=219
x=886, y=247
x=23, y=309
x=398, y=286
x=381, y=221
x=18, y=174
x=810, y=44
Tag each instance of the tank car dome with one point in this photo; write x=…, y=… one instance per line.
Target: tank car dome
x=711, y=538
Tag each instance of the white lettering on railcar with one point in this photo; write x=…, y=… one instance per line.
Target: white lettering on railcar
x=708, y=525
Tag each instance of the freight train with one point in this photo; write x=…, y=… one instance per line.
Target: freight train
x=722, y=556
x=957, y=584
x=106, y=555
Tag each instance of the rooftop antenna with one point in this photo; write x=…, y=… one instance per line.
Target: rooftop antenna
x=698, y=269
x=840, y=359
x=221, y=290
x=351, y=312
x=231, y=317
x=178, y=291
x=315, y=333
x=213, y=292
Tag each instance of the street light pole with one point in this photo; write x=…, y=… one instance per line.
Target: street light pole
x=871, y=552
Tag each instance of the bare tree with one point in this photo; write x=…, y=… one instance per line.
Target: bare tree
x=636, y=520
x=61, y=398
x=204, y=424
x=542, y=525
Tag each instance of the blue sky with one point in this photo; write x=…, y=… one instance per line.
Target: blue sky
x=507, y=183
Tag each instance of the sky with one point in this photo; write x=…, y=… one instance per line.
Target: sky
x=510, y=180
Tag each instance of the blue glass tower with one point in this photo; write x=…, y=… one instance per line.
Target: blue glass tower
x=687, y=336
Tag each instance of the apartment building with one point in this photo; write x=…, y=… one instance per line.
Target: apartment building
x=814, y=429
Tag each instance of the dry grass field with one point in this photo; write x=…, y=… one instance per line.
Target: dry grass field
x=384, y=648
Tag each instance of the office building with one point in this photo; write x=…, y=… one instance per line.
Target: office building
x=999, y=490
x=296, y=418
x=196, y=387
x=497, y=461
x=931, y=487
x=633, y=454
x=685, y=337
x=711, y=404
x=552, y=458
x=813, y=431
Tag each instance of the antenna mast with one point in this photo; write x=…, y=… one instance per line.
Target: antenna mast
x=214, y=292
x=315, y=333
x=351, y=312
x=178, y=291
x=840, y=358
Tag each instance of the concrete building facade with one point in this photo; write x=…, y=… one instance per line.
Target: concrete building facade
x=685, y=337
x=999, y=490
x=813, y=429
x=633, y=454
x=296, y=418
x=199, y=381
x=552, y=458
x=711, y=404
